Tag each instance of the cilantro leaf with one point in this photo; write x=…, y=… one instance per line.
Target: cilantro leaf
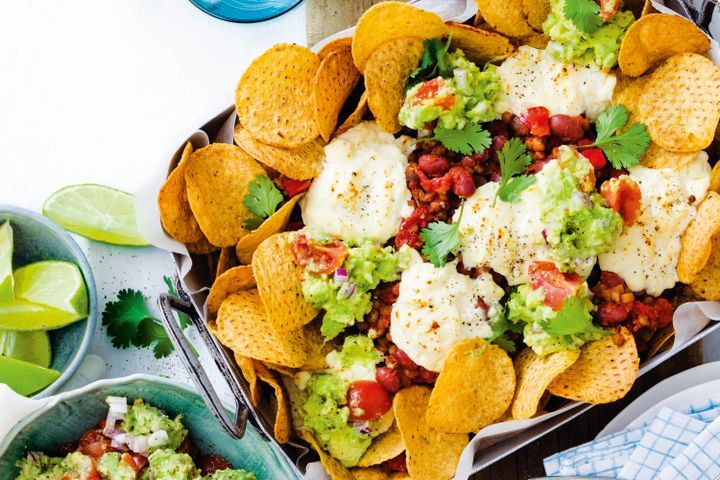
x=262, y=200
x=151, y=332
x=514, y=159
x=572, y=319
x=433, y=62
x=122, y=317
x=441, y=239
x=183, y=319
x=585, y=14
x=506, y=343
x=470, y=139
x=625, y=149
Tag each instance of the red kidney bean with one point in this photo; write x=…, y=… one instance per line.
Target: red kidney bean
x=404, y=360
x=388, y=378
x=433, y=165
x=519, y=127
x=568, y=128
x=463, y=185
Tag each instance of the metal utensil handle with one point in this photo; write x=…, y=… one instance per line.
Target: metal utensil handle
x=235, y=428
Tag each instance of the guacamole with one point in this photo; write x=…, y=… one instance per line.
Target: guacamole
x=37, y=466
x=346, y=302
x=112, y=467
x=466, y=97
x=572, y=45
x=145, y=420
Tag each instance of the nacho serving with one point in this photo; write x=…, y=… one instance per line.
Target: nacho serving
x=439, y=226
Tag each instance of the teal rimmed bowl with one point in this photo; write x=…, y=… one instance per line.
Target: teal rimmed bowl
x=66, y=416
x=38, y=238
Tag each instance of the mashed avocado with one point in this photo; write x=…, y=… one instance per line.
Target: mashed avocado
x=111, y=467
x=572, y=45
x=345, y=303
x=231, y=475
x=324, y=411
x=465, y=97
x=167, y=465
x=144, y=419
x=38, y=466
x=579, y=226
x=543, y=331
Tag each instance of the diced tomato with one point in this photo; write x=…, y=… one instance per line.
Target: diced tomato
x=367, y=400
x=137, y=462
x=595, y=156
x=657, y=313
x=608, y=9
x=429, y=90
x=316, y=258
x=94, y=444
x=210, y=464
x=557, y=286
x=397, y=464
x=537, y=120
x=409, y=231
x=293, y=187
x=93, y=473
x=623, y=195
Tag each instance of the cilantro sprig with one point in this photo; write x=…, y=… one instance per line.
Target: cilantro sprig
x=572, y=319
x=441, y=239
x=262, y=200
x=467, y=140
x=624, y=149
x=514, y=160
x=433, y=62
x=585, y=14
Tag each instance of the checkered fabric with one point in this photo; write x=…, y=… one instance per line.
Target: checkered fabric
x=700, y=460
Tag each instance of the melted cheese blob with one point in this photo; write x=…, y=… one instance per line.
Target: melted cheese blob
x=438, y=307
x=361, y=191
x=646, y=254
x=533, y=77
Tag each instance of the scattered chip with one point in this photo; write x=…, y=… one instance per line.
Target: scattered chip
x=217, y=178
x=659, y=340
x=605, y=372
x=279, y=281
x=231, y=281
x=681, y=103
x=370, y=473
x=242, y=327
x=386, y=74
x=175, y=213
x=334, y=45
x=334, y=82
x=274, y=224
x=534, y=374
x=389, y=21
x=536, y=11
x=429, y=453
x=715, y=178
x=355, y=117
x=657, y=37
x=657, y=157
x=475, y=387
x=226, y=260
x=697, y=239
x=505, y=16
x=480, y=46
x=538, y=40
x=283, y=427
x=301, y=163
x=247, y=367
x=274, y=98
x=706, y=284
x=333, y=467
x=385, y=447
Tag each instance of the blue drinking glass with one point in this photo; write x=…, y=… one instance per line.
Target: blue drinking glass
x=245, y=11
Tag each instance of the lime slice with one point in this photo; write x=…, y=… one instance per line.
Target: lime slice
x=6, y=254
x=33, y=347
x=96, y=212
x=23, y=316
x=24, y=377
x=55, y=284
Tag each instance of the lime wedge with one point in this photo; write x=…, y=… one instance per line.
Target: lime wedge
x=23, y=316
x=6, y=254
x=33, y=347
x=96, y=212
x=24, y=377
x=55, y=284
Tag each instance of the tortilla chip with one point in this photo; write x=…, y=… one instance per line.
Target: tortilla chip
x=282, y=427
x=334, y=82
x=475, y=387
x=627, y=92
x=657, y=157
x=274, y=98
x=217, y=178
x=276, y=223
x=389, y=21
x=715, y=178
x=385, y=447
x=706, y=284
x=301, y=163
x=536, y=11
x=534, y=374
x=280, y=369
x=317, y=348
x=539, y=41
x=355, y=117
x=697, y=239
x=659, y=340
x=247, y=367
x=231, y=281
x=279, y=281
x=332, y=466
x=479, y=46
x=603, y=373
x=430, y=453
x=334, y=45
x=681, y=103
x=296, y=398
x=371, y=473
x=203, y=247
x=175, y=214
x=243, y=328
x=657, y=37
x=386, y=73
x=505, y=16
x=226, y=261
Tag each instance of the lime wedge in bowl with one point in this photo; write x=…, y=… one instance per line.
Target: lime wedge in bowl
x=96, y=212
x=55, y=284
x=23, y=316
x=6, y=255
x=32, y=347
x=24, y=377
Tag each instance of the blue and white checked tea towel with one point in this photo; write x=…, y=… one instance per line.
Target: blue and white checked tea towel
x=699, y=460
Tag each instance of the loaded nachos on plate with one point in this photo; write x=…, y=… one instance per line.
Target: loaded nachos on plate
x=432, y=227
